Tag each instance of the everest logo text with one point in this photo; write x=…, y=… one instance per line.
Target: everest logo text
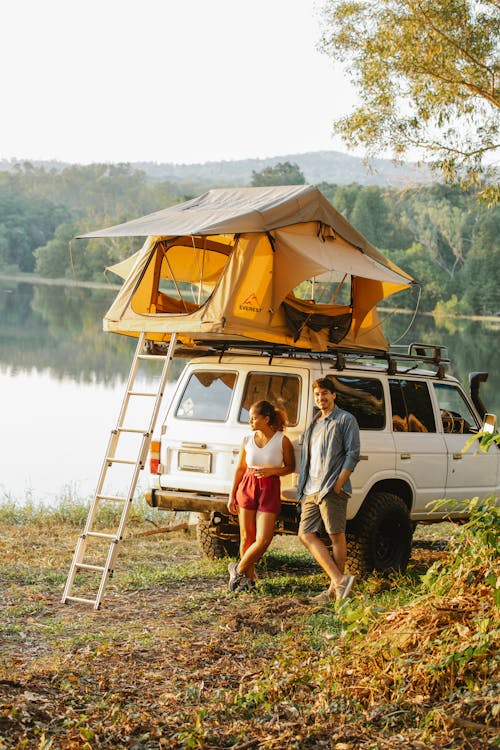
x=251, y=304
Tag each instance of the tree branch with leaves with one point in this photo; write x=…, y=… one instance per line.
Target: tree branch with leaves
x=427, y=73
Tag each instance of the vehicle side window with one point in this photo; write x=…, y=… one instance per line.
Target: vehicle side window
x=364, y=398
x=411, y=406
x=207, y=395
x=281, y=390
x=456, y=416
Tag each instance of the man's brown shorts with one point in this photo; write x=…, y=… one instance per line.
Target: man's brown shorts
x=329, y=511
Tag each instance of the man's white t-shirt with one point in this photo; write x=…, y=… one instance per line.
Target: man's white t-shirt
x=316, y=468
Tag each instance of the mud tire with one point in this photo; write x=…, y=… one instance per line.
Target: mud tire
x=212, y=546
x=380, y=537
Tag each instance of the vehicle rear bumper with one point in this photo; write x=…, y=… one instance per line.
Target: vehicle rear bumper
x=186, y=501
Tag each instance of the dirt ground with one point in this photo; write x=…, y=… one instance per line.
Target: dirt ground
x=185, y=664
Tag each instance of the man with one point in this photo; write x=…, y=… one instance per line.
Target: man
x=329, y=455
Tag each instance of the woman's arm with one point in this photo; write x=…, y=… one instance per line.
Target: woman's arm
x=238, y=476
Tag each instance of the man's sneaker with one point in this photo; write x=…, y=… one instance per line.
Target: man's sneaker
x=343, y=590
x=235, y=578
x=326, y=597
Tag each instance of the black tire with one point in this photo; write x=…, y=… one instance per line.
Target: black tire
x=380, y=536
x=212, y=546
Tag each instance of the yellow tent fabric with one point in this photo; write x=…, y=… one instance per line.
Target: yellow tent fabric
x=225, y=266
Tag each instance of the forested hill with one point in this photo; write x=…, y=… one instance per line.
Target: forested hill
x=316, y=166
x=442, y=236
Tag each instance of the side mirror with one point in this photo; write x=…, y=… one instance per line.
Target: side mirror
x=490, y=423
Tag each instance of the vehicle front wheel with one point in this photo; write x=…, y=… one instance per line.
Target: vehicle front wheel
x=212, y=546
x=380, y=536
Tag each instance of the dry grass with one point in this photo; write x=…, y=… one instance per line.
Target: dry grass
x=175, y=661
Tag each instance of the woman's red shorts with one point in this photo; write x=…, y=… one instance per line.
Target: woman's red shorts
x=256, y=493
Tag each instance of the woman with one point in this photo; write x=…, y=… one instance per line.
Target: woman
x=265, y=456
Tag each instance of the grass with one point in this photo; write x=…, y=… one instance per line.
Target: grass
x=173, y=660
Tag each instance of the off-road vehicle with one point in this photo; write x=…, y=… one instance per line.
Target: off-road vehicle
x=414, y=420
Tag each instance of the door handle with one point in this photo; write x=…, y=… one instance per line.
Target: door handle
x=405, y=456
x=457, y=456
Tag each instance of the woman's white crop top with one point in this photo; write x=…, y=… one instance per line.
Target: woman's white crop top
x=270, y=455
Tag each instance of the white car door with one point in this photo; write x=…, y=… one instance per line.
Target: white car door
x=471, y=473
x=420, y=450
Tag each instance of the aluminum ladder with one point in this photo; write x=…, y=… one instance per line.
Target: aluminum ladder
x=109, y=543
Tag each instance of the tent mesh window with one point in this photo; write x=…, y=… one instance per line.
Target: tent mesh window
x=323, y=302
x=186, y=272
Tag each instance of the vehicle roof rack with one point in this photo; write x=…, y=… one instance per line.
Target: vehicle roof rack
x=413, y=354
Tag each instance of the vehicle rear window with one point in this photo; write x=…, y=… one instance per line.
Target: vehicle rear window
x=281, y=390
x=207, y=395
x=363, y=397
x=411, y=406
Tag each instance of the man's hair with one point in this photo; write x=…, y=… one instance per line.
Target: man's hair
x=325, y=383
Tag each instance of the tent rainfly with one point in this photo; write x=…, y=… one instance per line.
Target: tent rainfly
x=274, y=264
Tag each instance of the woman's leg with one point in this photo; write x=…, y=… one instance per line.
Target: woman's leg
x=264, y=532
x=248, y=531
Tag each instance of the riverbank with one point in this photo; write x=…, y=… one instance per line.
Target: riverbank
x=32, y=278
x=35, y=279
x=173, y=660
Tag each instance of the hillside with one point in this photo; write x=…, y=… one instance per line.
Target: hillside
x=317, y=166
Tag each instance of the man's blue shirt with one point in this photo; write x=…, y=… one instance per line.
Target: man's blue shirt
x=339, y=450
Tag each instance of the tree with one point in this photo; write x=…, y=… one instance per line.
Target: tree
x=26, y=221
x=427, y=73
x=369, y=215
x=53, y=258
x=283, y=173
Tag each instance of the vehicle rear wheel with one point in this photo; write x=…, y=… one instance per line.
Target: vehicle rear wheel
x=380, y=536
x=212, y=546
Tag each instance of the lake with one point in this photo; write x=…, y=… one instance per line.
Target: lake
x=62, y=381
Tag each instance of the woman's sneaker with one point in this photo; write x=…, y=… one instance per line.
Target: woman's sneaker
x=235, y=578
x=247, y=585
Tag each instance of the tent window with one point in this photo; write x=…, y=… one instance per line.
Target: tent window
x=189, y=273
x=207, y=395
x=281, y=390
x=329, y=288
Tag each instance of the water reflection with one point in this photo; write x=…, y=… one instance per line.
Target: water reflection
x=472, y=347
x=61, y=380
x=59, y=329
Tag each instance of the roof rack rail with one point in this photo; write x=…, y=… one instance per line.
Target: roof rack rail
x=432, y=354
x=426, y=352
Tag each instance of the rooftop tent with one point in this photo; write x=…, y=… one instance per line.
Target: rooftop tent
x=275, y=264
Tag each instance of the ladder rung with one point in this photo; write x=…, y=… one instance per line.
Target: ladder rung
x=87, y=566
x=130, y=429
x=110, y=460
x=100, y=534
x=115, y=498
x=156, y=357
x=80, y=599
x=142, y=393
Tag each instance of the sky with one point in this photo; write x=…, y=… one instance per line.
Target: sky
x=182, y=81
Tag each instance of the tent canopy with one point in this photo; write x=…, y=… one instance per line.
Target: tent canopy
x=275, y=264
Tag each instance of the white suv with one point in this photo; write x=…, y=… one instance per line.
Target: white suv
x=414, y=423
